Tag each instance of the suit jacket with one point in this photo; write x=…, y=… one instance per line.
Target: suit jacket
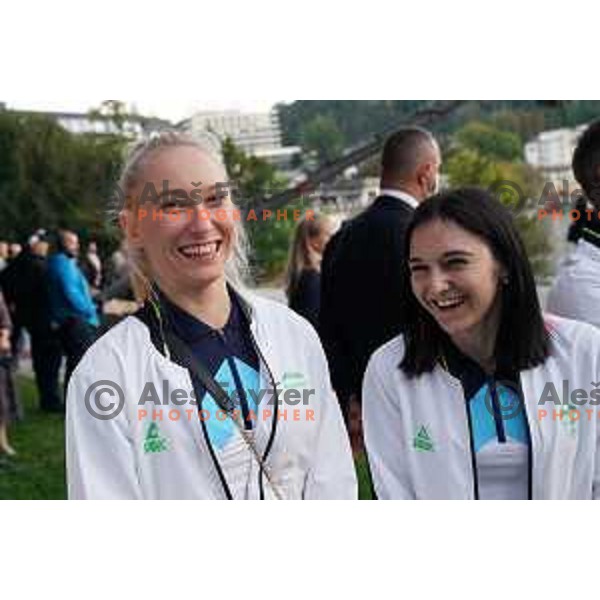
x=361, y=293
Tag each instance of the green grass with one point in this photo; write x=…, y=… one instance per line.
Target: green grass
x=38, y=470
x=365, y=488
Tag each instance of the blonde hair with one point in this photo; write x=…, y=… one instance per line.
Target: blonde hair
x=136, y=157
x=300, y=256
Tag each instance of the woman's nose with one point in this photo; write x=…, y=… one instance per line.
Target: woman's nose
x=438, y=282
x=200, y=218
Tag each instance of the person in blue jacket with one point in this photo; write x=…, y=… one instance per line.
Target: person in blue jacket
x=72, y=309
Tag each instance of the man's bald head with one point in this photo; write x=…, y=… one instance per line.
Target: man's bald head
x=411, y=161
x=68, y=242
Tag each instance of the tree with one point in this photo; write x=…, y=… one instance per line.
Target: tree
x=322, y=136
x=513, y=183
x=253, y=180
x=491, y=142
x=51, y=178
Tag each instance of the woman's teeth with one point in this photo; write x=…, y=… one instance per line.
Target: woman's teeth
x=201, y=250
x=448, y=302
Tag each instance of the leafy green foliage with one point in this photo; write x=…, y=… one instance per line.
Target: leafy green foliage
x=322, y=136
x=50, y=178
x=491, y=142
x=253, y=180
x=357, y=120
x=475, y=161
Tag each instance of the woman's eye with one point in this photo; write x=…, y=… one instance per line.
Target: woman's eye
x=213, y=201
x=174, y=208
x=417, y=268
x=456, y=262
x=175, y=205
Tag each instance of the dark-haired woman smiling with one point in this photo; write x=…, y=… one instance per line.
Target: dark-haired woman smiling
x=454, y=408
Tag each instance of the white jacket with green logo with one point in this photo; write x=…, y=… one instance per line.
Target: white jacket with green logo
x=417, y=431
x=133, y=456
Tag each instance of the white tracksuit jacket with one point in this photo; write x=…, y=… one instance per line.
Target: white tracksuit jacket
x=576, y=290
x=110, y=459
x=565, y=453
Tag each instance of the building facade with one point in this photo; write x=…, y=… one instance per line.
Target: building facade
x=256, y=134
x=552, y=152
x=133, y=126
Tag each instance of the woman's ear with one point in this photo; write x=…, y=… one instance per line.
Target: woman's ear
x=503, y=275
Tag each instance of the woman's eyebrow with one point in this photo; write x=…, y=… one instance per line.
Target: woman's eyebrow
x=449, y=254
x=457, y=253
x=180, y=193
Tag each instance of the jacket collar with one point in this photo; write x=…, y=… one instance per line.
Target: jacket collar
x=411, y=201
x=151, y=316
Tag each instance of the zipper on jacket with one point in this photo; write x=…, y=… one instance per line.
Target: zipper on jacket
x=501, y=433
x=498, y=421
x=275, y=419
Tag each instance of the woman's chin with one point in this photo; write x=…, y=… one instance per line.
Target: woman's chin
x=454, y=327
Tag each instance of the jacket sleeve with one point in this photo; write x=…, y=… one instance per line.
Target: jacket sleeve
x=330, y=328
x=596, y=480
x=332, y=475
x=101, y=463
x=386, y=448
x=73, y=286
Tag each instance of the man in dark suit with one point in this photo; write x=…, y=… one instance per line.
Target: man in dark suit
x=361, y=302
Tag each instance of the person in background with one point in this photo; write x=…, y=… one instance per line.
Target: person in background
x=303, y=276
x=72, y=309
x=575, y=293
x=6, y=381
x=27, y=287
x=14, y=250
x=91, y=265
x=360, y=275
x=9, y=277
x=3, y=255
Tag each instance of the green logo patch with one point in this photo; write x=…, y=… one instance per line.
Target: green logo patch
x=154, y=442
x=422, y=441
x=293, y=380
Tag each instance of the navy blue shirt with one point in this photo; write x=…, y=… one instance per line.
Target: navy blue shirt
x=231, y=358
x=498, y=423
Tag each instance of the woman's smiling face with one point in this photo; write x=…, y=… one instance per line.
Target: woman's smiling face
x=455, y=277
x=183, y=241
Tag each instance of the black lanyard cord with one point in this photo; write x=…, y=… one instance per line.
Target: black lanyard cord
x=216, y=463
x=173, y=343
x=274, y=423
x=199, y=371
